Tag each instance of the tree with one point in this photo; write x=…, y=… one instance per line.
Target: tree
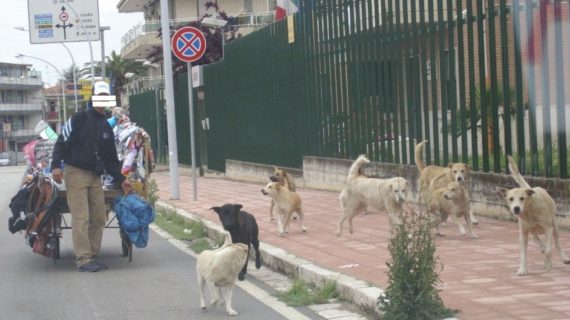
x=68, y=73
x=117, y=68
x=488, y=132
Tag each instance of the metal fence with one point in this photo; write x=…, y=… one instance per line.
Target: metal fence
x=479, y=79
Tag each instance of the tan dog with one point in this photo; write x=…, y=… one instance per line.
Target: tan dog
x=219, y=269
x=453, y=201
x=285, y=180
x=361, y=192
x=434, y=177
x=536, y=213
x=286, y=202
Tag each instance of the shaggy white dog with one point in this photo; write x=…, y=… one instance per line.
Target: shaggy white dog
x=219, y=269
x=362, y=192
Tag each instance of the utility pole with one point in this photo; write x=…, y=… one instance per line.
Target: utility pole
x=102, y=31
x=170, y=111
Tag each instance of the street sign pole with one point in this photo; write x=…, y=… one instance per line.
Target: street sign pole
x=170, y=111
x=192, y=141
x=189, y=44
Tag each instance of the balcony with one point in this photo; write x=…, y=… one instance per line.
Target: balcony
x=138, y=42
x=22, y=134
x=143, y=84
x=32, y=80
x=21, y=108
x=127, y=6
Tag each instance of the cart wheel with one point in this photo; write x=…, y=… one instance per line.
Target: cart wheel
x=127, y=246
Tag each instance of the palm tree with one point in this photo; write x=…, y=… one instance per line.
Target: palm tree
x=117, y=67
x=68, y=73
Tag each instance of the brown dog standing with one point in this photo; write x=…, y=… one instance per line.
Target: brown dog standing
x=285, y=180
x=536, y=213
x=434, y=177
x=287, y=202
x=451, y=200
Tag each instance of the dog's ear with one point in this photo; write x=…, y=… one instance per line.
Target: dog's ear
x=450, y=165
x=502, y=192
x=238, y=207
x=217, y=209
x=529, y=192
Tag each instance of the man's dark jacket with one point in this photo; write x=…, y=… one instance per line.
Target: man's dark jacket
x=84, y=134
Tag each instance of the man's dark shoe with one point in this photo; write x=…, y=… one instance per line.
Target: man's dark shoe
x=101, y=266
x=89, y=267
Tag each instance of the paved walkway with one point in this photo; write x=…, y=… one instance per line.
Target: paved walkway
x=478, y=275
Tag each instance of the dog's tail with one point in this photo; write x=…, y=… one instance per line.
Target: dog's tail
x=419, y=161
x=356, y=167
x=516, y=174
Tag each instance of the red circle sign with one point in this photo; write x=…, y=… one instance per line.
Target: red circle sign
x=63, y=16
x=188, y=44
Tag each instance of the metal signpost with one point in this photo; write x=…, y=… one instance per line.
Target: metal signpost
x=188, y=45
x=51, y=22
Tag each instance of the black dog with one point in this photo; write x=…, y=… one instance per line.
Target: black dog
x=243, y=229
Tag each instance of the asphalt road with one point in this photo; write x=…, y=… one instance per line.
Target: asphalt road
x=159, y=283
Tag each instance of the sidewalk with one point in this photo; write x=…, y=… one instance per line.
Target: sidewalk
x=478, y=276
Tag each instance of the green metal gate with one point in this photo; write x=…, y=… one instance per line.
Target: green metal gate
x=378, y=76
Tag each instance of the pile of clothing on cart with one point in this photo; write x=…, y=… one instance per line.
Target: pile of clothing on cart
x=133, y=149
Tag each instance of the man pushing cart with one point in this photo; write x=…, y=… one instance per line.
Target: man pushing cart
x=85, y=171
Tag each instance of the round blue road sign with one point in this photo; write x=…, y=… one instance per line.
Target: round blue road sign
x=188, y=44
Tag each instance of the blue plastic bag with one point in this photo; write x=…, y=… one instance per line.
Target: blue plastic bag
x=134, y=215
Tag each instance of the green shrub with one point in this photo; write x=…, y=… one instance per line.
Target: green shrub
x=301, y=295
x=180, y=227
x=413, y=272
x=152, y=192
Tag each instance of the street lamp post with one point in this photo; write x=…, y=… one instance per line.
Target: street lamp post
x=88, y=40
x=19, y=55
x=217, y=23
x=102, y=31
x=73, y=63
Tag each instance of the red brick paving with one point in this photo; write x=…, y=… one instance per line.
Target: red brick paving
x=478, y=275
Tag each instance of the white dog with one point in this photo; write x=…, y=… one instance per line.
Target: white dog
x=219, y=269
x=362, y=192
x=286, y=202
x=536, y=212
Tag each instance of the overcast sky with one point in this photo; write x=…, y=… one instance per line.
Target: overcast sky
x=15, y=13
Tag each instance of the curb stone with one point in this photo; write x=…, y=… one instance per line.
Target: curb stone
x=350, y=289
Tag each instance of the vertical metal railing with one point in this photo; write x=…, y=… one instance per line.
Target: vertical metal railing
x=480, y=79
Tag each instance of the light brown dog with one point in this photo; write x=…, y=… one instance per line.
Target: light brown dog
x=434, y=177
x=536, y=213
x=362, y=192
x=219, y=270
x=453, y=201
x=286, y=203
x=285, y=180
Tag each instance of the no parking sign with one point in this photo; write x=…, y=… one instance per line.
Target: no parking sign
x=188, y=44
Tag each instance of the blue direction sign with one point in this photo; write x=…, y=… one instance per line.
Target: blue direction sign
x=188, y=44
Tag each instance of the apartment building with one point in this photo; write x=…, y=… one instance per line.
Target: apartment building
x=21, y=105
